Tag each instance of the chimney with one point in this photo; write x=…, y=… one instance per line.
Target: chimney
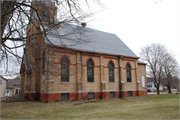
x=83, y=25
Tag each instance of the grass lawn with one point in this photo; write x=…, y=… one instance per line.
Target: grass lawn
x=143, y=107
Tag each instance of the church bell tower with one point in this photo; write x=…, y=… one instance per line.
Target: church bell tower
x=45, y=10
x=44, y=13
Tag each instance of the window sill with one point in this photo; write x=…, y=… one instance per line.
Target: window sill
x=112, y=82
x=129, y=82
x=64, y=82
x=90, y=82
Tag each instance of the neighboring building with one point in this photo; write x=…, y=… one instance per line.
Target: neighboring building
x=151, y=86
x=3, y=82
x=103, y=68
x=13, y=87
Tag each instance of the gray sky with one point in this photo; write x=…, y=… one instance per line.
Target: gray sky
x=141, y=22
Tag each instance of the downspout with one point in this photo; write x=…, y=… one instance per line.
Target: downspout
x=137, y=82
x=120, y=84
x=81, y=74
x=47, y=75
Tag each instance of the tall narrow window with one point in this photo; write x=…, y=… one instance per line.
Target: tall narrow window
x=65, y=70
x=111, y=72
x=128, y=69
x=0, y=82
x=45, y=16
x=90, y=71
x=143, y=81
x=43, y=63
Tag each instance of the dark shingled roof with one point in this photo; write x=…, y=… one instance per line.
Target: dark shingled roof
x=13, y=82
x=87, y=40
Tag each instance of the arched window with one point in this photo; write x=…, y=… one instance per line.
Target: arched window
x=128, y=69
x=65, y=70
x=111, y=72
x=45, y=16
x=90, y=71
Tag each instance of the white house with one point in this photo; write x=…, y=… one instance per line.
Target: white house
x=151, y=86
x=3, y=83
x=13, y=87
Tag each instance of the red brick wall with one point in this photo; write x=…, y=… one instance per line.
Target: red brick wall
x=55, y=97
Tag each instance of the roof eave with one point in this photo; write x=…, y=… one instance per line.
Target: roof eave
x=142, y=63
x=55, y=46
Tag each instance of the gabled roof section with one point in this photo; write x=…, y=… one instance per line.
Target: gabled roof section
x=3, y=78
x=87, y=40
x=13, y=82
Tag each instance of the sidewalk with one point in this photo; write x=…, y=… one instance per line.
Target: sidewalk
x=149, y=93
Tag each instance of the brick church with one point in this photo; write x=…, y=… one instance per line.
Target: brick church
x=71, y=62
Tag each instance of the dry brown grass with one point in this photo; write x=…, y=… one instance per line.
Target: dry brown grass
x=144, y=107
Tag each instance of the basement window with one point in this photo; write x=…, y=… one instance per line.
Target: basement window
x=129, y=93
x=112, y=94
x=64, y=96
x=91, y=95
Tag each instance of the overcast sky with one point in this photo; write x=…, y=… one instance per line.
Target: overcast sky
x=141, y=22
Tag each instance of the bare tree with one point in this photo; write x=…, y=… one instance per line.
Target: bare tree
x=176, y=82
x=18, y=14
x=155, y=55
x=170, y=72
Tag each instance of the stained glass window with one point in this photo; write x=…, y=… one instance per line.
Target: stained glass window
x=90, y=71
x=45, y=16
x=65, y=70
x=111, y=72
x=43, y=63
x=128, y=69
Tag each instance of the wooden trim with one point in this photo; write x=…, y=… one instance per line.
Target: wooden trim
x=142, y=63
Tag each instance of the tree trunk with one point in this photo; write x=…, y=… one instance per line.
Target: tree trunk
x=157, y=89
x=6, y=11
x=169, y=90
